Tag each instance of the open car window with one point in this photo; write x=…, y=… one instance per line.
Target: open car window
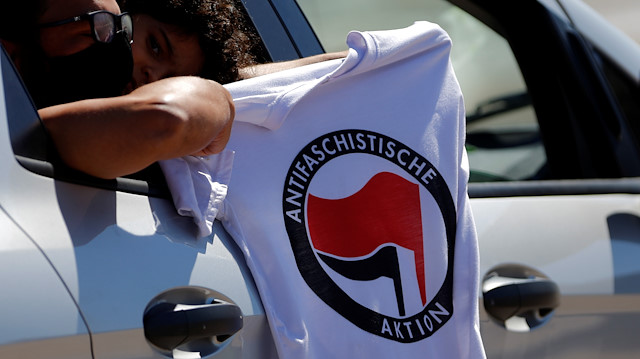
x=34, y=151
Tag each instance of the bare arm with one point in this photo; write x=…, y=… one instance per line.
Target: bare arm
x=263, y=69
x=116, y=136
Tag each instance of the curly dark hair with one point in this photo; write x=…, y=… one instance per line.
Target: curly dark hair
x=225, y=33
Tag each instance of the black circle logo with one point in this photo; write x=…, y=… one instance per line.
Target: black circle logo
x=406, y=327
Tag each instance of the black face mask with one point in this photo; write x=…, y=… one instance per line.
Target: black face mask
x=102, y=70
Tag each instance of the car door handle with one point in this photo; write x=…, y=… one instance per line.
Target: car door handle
x=514, y=290
x=169, y=325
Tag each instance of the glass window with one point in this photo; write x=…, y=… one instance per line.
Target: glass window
x=503, y=139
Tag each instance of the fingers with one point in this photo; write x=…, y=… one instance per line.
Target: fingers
x=218, y=143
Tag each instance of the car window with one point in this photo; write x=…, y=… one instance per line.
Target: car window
x=503, y=138
x=34, y=150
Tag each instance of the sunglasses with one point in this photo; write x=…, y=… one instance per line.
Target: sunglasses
x=104, y=24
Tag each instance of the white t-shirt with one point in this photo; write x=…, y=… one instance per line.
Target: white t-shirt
x=348, y=197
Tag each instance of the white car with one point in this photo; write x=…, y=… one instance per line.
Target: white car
x=107, y=269
x=552, y=93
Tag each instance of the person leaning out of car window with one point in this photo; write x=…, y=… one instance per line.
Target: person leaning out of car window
x=75, y=59
x=185, y=38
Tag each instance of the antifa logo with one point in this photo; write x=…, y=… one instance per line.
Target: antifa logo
x=363, y=239
x=345, y=229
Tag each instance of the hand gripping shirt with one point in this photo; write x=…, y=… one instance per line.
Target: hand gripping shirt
x=348, y=197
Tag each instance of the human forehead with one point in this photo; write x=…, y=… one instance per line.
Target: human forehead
x=55, y=10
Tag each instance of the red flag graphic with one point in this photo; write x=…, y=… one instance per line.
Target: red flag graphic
x=386, y=210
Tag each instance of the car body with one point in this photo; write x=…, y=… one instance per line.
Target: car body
x=552, y=97
x=552, y=101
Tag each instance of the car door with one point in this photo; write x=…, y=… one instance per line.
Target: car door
x=135, y=275
x=551, y=138
x=39, y=315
